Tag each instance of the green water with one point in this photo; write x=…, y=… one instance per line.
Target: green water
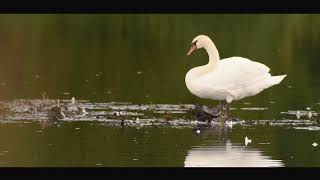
x=142, y=59
x=91, y=144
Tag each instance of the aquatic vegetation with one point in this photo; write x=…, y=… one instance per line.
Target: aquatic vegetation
x=51, y=111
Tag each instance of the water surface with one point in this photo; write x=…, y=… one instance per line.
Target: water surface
x=141, y=60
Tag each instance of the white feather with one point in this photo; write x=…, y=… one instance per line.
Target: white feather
x=228, y=79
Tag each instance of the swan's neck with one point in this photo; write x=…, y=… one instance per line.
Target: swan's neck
x=199, y=71
x=212, y=53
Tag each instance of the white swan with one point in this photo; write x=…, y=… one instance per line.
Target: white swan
x=227, y=79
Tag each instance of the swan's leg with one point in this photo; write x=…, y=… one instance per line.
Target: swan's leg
x=220, y=106
x=225, y=109
x=223, y=105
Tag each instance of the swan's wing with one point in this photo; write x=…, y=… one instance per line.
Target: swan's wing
x=236, y=73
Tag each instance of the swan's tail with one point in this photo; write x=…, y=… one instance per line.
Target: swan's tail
x=276, y=79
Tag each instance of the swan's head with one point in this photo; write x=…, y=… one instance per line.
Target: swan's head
x=199, y=42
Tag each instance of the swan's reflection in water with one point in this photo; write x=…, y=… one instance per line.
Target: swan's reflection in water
x=224, y=153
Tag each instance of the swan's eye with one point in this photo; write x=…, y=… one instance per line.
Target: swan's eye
x=193, y=47
x=194, y=43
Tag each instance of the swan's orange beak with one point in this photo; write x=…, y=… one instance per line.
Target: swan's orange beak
x=193, y=47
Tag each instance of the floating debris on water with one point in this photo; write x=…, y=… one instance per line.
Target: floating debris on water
x=299, y=113
x=98, y=164
x=84, y=112
x=139, y=72
x=170, y=112
x=63, y=115
x=247, y=141
x=310, y=128
x=108, y=92
x=232, y=122
x=308, y=108
x=263, y=143
x=55, y=113
x=73, y=100
x=77, y=128
x=286, y=122
x=229, y=123
x=129, y=114
x=255, y=108
x=314, y=144
x=135, y=159
x=198, y=131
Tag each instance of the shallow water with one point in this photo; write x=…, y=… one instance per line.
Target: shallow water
x=149, y=138
x=132, y=107
x=97, y=144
